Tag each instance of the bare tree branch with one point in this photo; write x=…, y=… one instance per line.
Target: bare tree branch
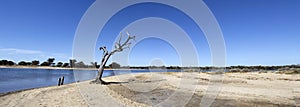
x=105, y=53
x=121, y=46
x=120, y=38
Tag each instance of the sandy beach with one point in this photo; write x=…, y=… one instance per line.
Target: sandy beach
x=168, y=89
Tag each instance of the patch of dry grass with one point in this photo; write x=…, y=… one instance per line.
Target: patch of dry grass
x=290, y=71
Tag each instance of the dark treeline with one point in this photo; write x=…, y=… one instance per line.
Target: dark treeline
x=49, y=62
x=232, y=68
x=73, y=63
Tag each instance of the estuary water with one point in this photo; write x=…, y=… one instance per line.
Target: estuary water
x=14, y=79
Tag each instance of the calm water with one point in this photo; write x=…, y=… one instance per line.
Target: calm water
x=13, y=79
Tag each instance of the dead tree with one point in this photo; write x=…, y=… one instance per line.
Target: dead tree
x=106, y=55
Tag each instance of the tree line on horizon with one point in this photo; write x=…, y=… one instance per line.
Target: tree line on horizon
x=50, y=62
x=73, y=63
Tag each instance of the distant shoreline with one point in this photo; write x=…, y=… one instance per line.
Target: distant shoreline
x=289, y=69
x=58, y=68
x=45, y=67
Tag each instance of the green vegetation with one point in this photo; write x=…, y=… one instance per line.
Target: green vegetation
x=6, y=62
x=114, y=65
x=35, y=63
x=289, y=71
x=73, y=63
x=49, y=63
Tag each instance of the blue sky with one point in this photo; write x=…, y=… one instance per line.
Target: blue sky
x=255, y=32
x=259, y=32
x=44, y=27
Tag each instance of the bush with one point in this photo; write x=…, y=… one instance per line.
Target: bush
x=289, y=71
x=236, y=70
x=114, y=65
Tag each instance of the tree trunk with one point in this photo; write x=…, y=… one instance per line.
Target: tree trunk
x=98, y=79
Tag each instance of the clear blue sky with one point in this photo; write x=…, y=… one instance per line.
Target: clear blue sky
x=255, y=32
